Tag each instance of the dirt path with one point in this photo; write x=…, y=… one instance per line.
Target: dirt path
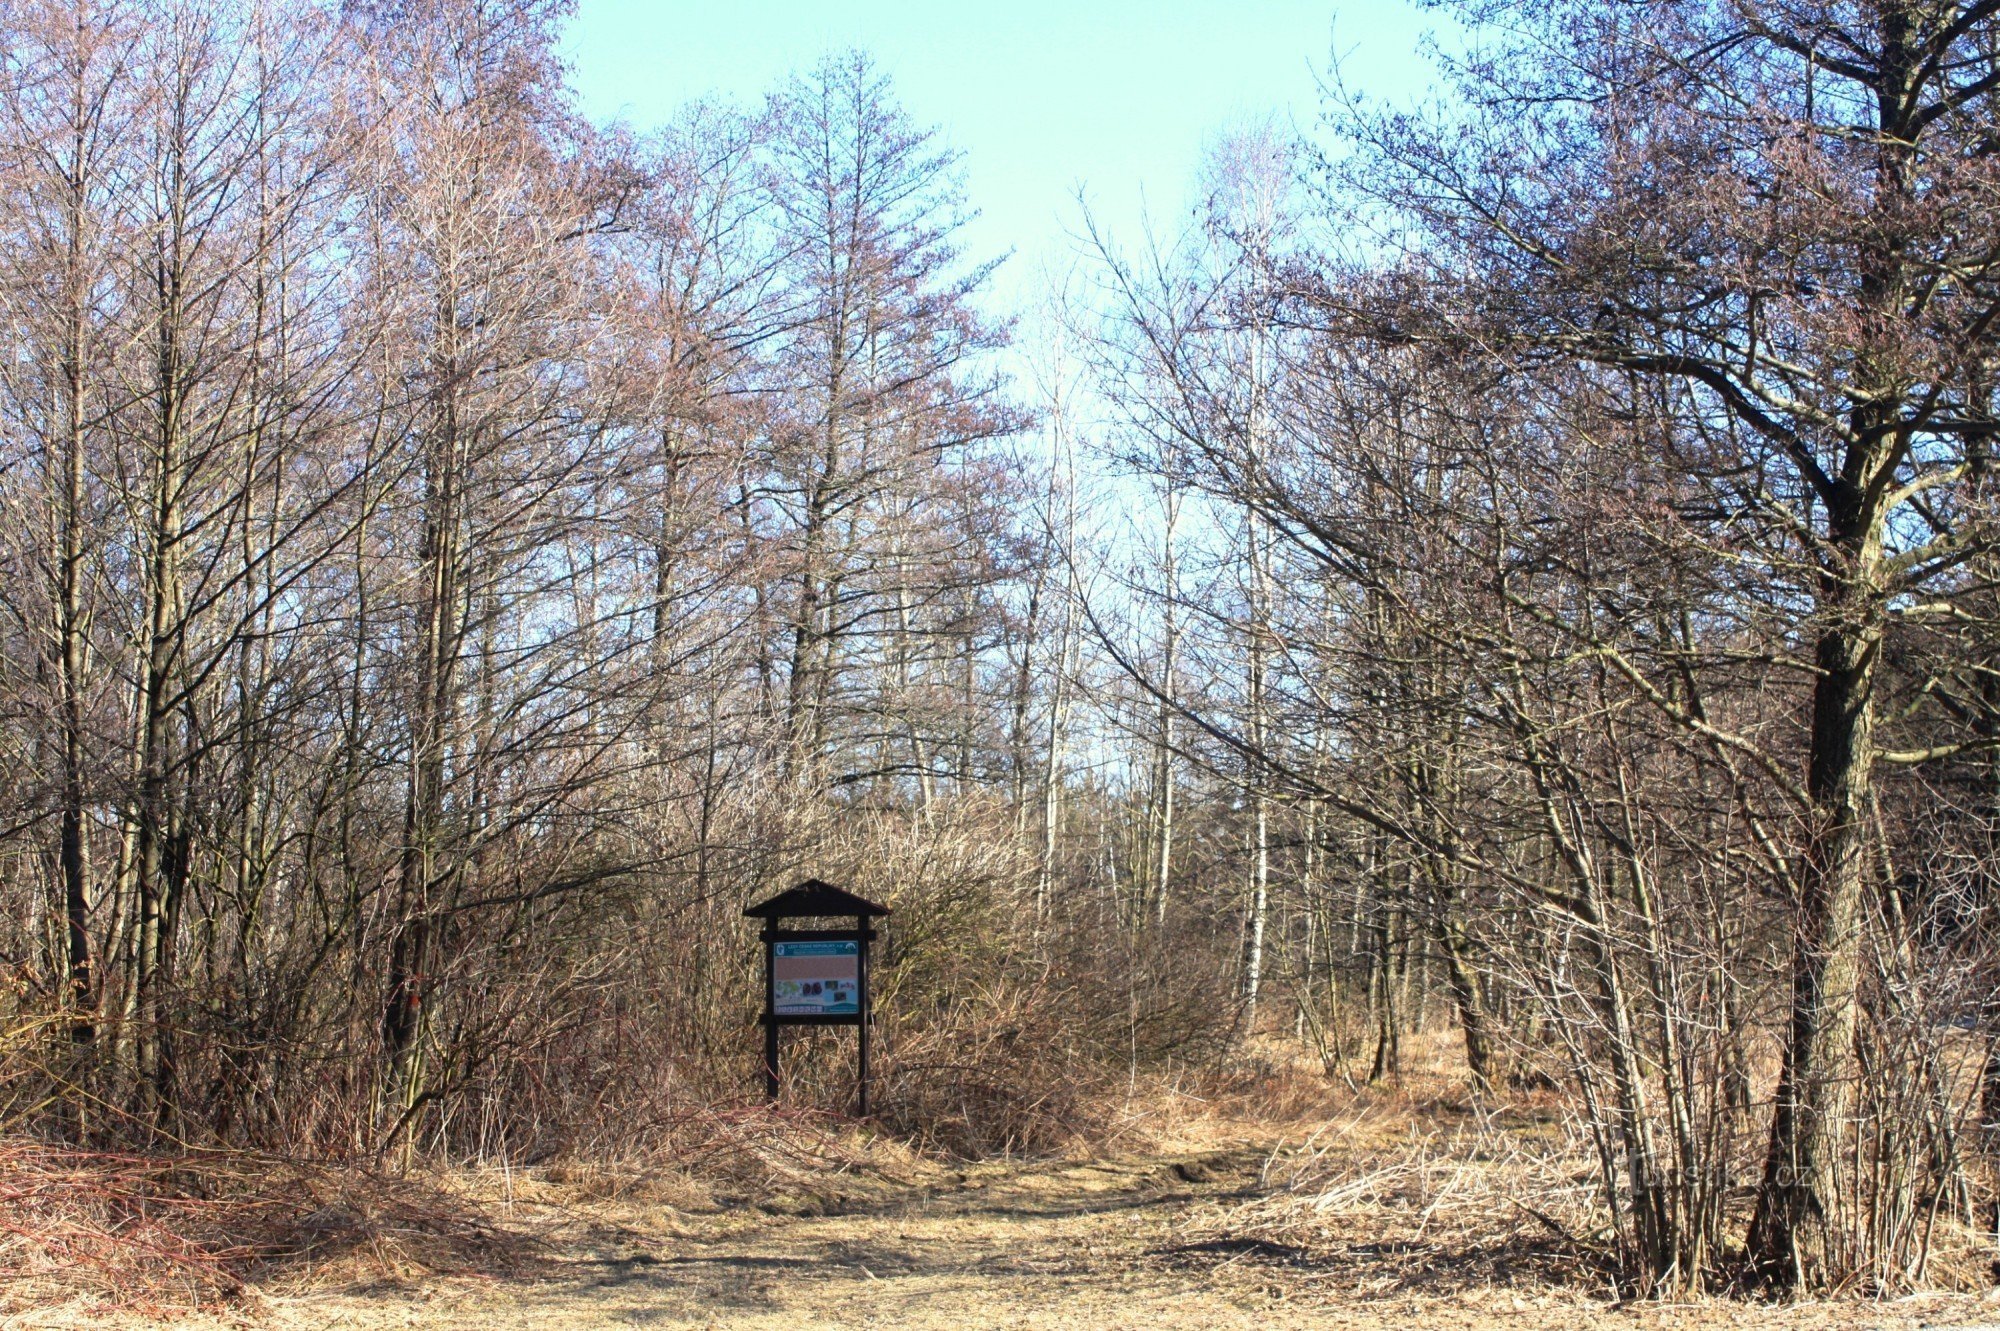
x=1052, y=1245
x=1060, y=1246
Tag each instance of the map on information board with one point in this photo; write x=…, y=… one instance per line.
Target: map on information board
x=816, y=979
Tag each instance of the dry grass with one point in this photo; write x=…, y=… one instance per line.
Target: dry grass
x=1261, y=1185
x=1377, y=1192
x=1377, y=1202
x=1418, y=1190
x=771, y=1158
x=102, y=1231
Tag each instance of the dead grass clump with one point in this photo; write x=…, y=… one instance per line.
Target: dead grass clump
x=1382, y=1200
x=749, y=1145
x=709, y=1159
x=150, y=1232
x=1273, y=1083
x=1264, y=1087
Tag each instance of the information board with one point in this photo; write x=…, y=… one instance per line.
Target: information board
x=816, y=979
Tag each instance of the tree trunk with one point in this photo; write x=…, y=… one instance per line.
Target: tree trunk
x=73, y=849
x=1468, y=995
x=1799, y=1233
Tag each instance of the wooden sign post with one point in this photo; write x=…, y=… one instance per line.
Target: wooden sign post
x=815, y=977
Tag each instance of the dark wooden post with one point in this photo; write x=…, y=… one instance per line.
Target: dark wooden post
x=770, y=1011
x=864, y=933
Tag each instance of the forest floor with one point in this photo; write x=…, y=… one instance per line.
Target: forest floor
x=1278, y=1202
x=1090, y=1246
x=1085, y=1246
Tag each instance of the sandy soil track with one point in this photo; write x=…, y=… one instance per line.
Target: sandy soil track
x=1054, y=1245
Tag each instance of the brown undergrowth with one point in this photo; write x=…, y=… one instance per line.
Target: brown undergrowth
x=1408, y=1188
x=150, y=1233
x=1386, y=1198
x=1420, y=1189
x=103, y=1231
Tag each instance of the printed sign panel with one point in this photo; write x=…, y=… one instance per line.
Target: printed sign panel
x=816, y=979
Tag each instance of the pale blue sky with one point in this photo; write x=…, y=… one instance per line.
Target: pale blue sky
x=1042, y=96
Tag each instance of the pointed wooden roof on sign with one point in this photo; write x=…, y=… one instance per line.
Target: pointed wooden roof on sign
x=813, y=897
